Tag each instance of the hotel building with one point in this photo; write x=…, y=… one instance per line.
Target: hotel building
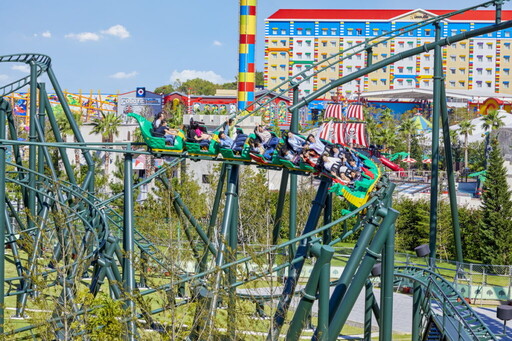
x=298, y=38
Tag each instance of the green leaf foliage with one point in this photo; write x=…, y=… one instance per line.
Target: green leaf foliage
x=496, y=211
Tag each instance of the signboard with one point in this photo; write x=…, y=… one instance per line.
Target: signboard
x=144, y=103
x=141, y=92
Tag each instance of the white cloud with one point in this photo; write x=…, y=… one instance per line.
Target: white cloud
x=124, y=75
x=46, y=34
x=84, y=36
x=186, y=75
x=117, y=31
x=3, y=78
x=23, y=68
x=217, y=43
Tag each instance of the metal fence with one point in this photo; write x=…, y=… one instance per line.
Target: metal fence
x=475, y=281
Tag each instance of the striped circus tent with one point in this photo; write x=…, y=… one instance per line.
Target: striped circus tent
x=334, y=110
x=355, y=111
x=345, y=133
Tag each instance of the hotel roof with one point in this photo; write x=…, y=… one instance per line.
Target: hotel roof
x=381, y=14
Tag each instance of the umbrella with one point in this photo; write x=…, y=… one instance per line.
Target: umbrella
x=421, y=124
x=481, y=175
x=477, y=174
x=427, y=161
x=409, y=160
x=395, y=156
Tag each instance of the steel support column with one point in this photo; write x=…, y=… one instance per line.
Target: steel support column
x=359, y=280
x=128, y=246
x=350, y=268
x=324, y=255
x=213, y=216
x=4, y=105
x=294, y=128
x=386, y=294
x=41, y=117
x=449, y=174
x=296, y=268
x=436, y=113
x=280, y=206
x=230, y=207
x=327, y=236
x=32, y=149
x=89, y=178
x=233, y=242
x=368, y=306
x=324, y=286
x=416, y=311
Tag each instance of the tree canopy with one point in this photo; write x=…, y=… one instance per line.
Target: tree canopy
x=198, y=86
x=496, y=211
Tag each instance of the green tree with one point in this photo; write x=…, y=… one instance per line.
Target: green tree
x=407, y=129
x=259, y=78
x=371, y=126
x=496, y=211
x=197, y=86
x=466, y=128
x=470, y=232
x=65, y=126
x=107, y=125
x=493, y=121
x=476, y=153
x=412, y=225
x=388, y=138
x=164, y=89
x=387, y=118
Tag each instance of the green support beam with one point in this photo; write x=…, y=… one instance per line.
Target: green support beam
x=296, y=267
x=359, y=280
x=129, y=247
x=4, y=107
x=434, y=182
x=450, y=175
x=324, y=255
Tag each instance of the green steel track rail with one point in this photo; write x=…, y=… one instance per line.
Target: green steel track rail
x=448, y=307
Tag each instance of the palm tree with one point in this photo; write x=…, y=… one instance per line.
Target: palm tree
x=466, y=128
x=408, y=128
x=108, y=126
x=387, y=118
x=65, y=126
x=371, y=127
x=493, y=121
x=388, y=138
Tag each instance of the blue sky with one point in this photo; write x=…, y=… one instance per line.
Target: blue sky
x=113, y=45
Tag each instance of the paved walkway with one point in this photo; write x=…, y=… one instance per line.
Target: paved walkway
x=402, y=311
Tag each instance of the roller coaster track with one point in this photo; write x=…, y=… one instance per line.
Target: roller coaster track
x=446, y=306
x=41, y=62
x=73, y=219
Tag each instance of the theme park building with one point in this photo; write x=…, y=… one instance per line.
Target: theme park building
x=297, y=38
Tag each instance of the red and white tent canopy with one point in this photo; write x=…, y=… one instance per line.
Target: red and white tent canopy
x=345, y=133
